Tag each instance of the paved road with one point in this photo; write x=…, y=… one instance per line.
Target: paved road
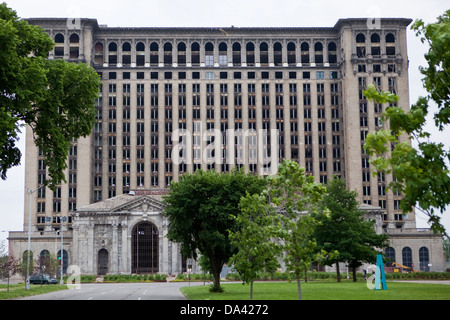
x=119, y=291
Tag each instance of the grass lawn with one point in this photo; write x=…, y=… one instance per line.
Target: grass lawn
x=18, y=290
x=318, y=290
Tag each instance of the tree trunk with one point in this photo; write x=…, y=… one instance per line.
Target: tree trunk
x=299, y=288
x=216, y=268
x=216, y=280
x=251, y=290
x=354, y=274
x=338, y=272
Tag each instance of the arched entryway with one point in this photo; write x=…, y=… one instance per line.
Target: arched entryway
x=145, y=248
x=102, y=265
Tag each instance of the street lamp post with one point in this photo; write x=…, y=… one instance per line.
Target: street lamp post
x=27, y=283
x=61, y=281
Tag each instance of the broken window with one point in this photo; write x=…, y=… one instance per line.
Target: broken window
x=98, y=53
x=236, y=53
x=74, y=46
x=223, y=59
x=250, y=52
x=126, y=53
x=59, y=45
x=375, y=49
x=167, y=54
x=304, y=48
x=318, y=52
x=264, y=53
x=154, y=57
x=277, y=54
x=390, y=44
x=112, y=53
x=209, y=54
x=291, y=53
x=140, y=54
x=332, y=52
x=181, y=48
x=361, y=45
x=195, y=53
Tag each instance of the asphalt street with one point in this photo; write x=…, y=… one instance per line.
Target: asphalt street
x=119, y=291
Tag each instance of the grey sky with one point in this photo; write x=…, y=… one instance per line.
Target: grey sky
x=210, y=13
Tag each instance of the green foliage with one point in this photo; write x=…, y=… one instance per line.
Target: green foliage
x=277, y=224
x=254, y=239
x=421, y=173
x=202, y=209
x=344, y=231
x=135, y=278
x=326, y=291
x=54, y=98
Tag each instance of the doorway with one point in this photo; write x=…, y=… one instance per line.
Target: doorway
x=145, y=248
x=102, y=262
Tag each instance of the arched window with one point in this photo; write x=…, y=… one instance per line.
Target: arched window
x=59, y=45
x=304, y=48
x=390, y=44
x=59, y=38
x=375, y=38
x=250, y=53
x=26, y=256
x=181, y=48
x=407, y=257
x=140, y=54
x=360, y=38
x=361, y=45
x=74, y=38
x=112, y=53
x=44, y=259
x=318, y=52
x=291, y=53
x=264, y=53
x=98, y=53
x=375, y=44
x=126, y=53
x=167, y=54
x=195, y=53
x=154, y=54
x=236, y=53
x=390, y=256
x=209, y=54
x=332, y=52
x=424, y=259
x=277, y=54
x=223, y=58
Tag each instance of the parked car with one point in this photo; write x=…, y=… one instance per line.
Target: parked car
x=42, y=279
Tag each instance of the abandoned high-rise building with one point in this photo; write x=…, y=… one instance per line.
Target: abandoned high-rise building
x=177, y=99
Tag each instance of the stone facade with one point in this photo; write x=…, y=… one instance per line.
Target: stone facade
x=177, y=99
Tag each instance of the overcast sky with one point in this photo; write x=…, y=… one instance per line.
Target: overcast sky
x=211, y=13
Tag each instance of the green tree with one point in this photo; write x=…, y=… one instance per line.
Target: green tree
x=254, y=239
x=295, y=197
x=201, y=208
x=54, y=98
x=421, y=173
x=345, y=231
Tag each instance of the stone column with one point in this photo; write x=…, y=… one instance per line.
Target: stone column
x=114, y=250
x=123, y=264
x=90, y=248
x=164, y=262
